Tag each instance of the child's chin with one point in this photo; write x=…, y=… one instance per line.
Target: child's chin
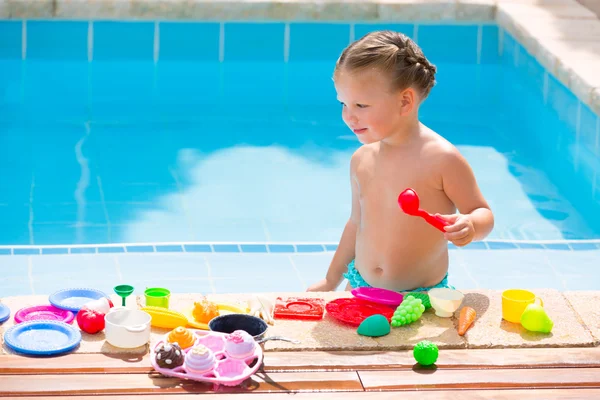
x=365, y=139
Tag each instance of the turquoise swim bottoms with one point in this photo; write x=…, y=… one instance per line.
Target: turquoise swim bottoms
x=356, y=280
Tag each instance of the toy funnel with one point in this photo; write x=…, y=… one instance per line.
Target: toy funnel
x=123, y=291
x=409, y=203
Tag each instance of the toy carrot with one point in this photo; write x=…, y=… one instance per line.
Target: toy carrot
x=466, y=319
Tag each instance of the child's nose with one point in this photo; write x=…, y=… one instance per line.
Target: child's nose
x=351, y=118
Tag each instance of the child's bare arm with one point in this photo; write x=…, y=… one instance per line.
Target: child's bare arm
x=346, y=248
x=475, y=219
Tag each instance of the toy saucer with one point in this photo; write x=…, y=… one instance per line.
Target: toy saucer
x=353, y=310
x=45, y=313
x=42, y=337
x=74, y=299
x=299, y=308
x=4, y=313
x=379, y=295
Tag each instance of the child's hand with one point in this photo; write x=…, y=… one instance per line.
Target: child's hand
x=460, y=231
x=321, y=286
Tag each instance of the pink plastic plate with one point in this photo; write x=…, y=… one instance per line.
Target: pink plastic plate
x=377, y=295
x=227, y=371
x=44, y=313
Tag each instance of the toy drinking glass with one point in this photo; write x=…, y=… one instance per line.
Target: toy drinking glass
x=514, y=302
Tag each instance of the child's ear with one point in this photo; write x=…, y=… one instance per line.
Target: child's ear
x=407, y=99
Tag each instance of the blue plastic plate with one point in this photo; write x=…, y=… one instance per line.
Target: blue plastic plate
x=4, y=313
x=74, y=299
x=42, y=337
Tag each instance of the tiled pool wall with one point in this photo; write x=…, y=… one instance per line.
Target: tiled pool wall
x=273, y=248
x=565, y=130
x=151, y=53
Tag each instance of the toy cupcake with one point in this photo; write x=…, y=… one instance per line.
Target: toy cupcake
x=182, y=336
x=239, y=344
x=169, y=355
x=200, y=359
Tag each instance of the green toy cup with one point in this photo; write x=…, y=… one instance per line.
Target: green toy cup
x=157, y=297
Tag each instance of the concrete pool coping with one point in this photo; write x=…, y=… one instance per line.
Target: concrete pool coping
x=575, y=315
x=562, y=35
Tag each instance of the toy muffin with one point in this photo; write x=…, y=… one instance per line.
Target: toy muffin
x=200, y=359
x=181, y=336
x=169, y=355
x=239, y=344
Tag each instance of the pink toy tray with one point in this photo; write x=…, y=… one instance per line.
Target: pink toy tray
x=227, y=371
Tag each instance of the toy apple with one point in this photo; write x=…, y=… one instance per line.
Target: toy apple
x=90, y=321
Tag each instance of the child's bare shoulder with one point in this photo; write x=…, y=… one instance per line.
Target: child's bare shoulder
x=362, y=154
x=439, y=148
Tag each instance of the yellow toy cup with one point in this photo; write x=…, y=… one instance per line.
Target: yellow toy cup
x=157, y=297
x=514, y=302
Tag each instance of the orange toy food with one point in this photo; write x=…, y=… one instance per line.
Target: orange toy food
x=182, y=336
x=204, y=311
x=466, y=319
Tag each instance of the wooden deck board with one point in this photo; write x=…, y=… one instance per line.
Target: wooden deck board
x=76, y=384
x=459, y=374
x=321, y=361
x=480, y=378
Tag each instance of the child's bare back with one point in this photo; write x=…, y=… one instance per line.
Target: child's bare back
x=381, y=81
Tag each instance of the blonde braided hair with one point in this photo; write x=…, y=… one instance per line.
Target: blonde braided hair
x=394, y=53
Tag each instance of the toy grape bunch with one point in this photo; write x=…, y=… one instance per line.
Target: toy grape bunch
x=426, y=352
x=408, y=311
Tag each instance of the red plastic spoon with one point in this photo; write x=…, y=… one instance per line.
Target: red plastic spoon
x=409, y=203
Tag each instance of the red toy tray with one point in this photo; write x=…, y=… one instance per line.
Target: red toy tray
x=353, y=310
x=299, y=308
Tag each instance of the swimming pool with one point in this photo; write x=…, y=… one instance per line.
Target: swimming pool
x=143, y=132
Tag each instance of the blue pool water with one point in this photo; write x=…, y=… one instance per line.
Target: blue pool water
x=180, y=132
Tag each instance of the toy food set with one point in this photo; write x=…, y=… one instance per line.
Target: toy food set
x=221, y=358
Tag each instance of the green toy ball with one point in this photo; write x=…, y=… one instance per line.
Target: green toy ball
x=426, y=352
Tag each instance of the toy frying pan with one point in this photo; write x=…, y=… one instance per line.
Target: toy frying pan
x=409, y=203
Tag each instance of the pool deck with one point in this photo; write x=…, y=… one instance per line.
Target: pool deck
x=563, y=35
x=332, y=358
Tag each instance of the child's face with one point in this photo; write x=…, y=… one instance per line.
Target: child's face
x=370, y=108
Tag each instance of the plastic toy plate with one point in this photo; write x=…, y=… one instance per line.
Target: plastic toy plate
x=227, y=371
x=74, y=299
x=299, y=308
x=353, y=311
x=377, y=295
x=45, y=313
x=42, y=337
x=4, y=313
